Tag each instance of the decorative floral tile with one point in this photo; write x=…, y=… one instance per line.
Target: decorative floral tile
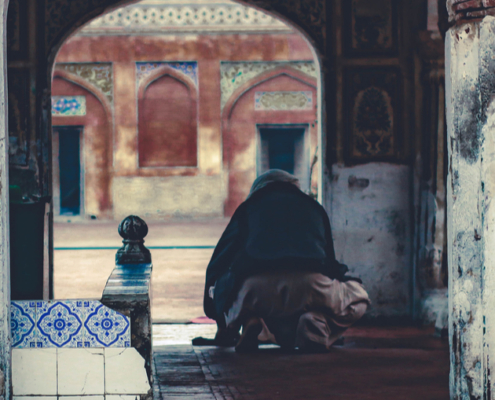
x=105, y=327
x=23, y=323
x=68, y=323
x=283, y=101
x=68, y=105
x=59, y=323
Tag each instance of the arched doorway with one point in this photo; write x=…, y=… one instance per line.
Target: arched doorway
x=171, y=79
x=308, y=16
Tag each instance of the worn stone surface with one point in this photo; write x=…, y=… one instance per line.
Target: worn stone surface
x=394, y=363
x=370, y=214
x=471, y=123
x=462, y=11
x=5, y=340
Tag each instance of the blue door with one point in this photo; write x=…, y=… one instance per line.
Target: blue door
x=281, y=146
x=70, y=170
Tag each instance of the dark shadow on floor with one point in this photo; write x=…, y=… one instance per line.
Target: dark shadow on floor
x=374, y=363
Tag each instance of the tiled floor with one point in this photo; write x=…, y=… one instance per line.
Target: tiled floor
x=374, y=363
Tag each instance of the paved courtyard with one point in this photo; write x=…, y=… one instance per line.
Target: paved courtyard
x=82, y=268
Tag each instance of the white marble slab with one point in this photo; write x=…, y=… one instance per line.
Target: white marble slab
x=125, y=372
x=81, y=372
x=34, y=371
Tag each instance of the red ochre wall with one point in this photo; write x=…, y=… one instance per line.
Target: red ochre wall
x=208, y=189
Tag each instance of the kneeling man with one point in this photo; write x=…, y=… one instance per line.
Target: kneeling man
x=274, y=273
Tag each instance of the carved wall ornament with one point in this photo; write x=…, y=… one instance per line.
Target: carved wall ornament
x=370, y=27
x=188, y=68
x=97, y=74
x=371, y=107
x=234, y=74
x=283, y=101
x=373, y=123
x=141, y=19
x=309, y=15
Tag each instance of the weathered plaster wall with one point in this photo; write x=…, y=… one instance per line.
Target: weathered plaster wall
x=470, y=84
x=208, y=51
x=371, y=219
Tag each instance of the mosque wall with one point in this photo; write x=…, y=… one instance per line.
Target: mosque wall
x=219, y=77
x=361, y=60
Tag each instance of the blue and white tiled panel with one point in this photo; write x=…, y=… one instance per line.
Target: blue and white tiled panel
x=67, y=323
x=66, y=106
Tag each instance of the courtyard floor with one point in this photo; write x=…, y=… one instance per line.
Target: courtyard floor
x=84, y=257
x=374, y=363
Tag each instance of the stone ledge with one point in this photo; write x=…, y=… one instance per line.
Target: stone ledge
x=461, y=11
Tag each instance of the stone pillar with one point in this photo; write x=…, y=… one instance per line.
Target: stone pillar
x=5, y=339
x=470, y=102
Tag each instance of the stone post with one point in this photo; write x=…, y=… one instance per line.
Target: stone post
x=470, y=95
x=133, y=230
x=128, y=289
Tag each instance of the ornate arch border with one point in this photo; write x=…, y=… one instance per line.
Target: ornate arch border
x=163, y=71
x=262, y=78
x=77, y=80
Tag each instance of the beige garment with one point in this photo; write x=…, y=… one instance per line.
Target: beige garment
x=299, y=308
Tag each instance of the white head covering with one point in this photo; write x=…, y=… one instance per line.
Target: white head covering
x=271, y=176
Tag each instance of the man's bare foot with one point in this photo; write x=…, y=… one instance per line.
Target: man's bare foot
x=248, y=343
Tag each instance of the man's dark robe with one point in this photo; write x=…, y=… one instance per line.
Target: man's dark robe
x=278, y=227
